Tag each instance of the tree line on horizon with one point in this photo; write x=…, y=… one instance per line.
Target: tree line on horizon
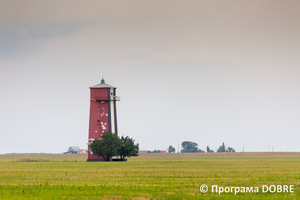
x=192, y=147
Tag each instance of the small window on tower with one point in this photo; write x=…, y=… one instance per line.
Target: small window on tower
x=98, y=121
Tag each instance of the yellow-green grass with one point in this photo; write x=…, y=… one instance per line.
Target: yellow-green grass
x=149, y=176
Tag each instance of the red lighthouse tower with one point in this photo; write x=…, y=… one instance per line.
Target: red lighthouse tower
x=103, y=114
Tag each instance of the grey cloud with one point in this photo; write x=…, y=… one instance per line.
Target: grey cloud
x=27, y=38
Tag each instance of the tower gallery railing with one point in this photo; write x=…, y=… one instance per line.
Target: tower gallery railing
x=103, y=98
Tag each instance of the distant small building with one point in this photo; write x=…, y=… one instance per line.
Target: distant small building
x=82, y=151
x=73, y=149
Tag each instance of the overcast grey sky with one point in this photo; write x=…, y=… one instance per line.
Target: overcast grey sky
x=202, y=71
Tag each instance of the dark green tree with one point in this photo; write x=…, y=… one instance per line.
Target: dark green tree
x=189, y=147
x=222, y=148
x=127, y=148
x=107, y=147
x=171, y=149
x=201, y=151
x=230, y=149
x=209, y=150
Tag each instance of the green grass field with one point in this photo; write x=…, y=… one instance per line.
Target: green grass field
x=149, y=176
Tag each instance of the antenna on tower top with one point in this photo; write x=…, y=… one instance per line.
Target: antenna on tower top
x=102, y=80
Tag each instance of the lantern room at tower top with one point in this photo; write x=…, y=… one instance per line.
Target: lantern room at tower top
x=103, y=113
